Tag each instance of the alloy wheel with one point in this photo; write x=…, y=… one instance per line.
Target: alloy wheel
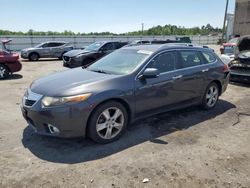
x=212, y=96
x=2, y=72
x=110, y=123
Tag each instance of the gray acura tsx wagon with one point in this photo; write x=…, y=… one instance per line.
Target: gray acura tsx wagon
x=131, y=83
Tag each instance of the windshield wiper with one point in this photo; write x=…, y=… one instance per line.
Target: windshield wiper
x=100, y=71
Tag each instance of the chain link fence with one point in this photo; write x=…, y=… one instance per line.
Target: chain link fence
x=21, y=42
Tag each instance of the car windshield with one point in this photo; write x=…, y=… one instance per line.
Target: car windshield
x=234, y=40
x=120, y=62
x=39, y=45
x=95, y=46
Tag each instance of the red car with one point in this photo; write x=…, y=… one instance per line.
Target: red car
x=9, y=62
x=228, y=47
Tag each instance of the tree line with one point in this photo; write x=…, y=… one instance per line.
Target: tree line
x=157, y=30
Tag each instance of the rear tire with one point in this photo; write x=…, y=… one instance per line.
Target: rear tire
x=34, y=56
x=4, y=71
x=211, y=96
x=108, y=122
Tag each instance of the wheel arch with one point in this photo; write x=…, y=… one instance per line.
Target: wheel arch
x=116, y=99
x=219, y=84
x=34, y=52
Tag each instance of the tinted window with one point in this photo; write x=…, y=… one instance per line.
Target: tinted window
x=54, y=44
x=120, y=44
x=210, y=58
x=45, y=45
x=164, y=62
x=190, y=58
x=108, y=46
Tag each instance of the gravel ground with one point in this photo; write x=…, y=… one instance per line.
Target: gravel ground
x=185, y=148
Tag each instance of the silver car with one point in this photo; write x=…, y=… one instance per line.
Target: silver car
x=53, y=49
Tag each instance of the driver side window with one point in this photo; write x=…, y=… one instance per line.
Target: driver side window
x=45, y=45
x=108, y=47
x=164, y=62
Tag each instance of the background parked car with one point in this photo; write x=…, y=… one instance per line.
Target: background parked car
x=240, y=65
x=53, y=49
x=93, y=52
x=9, y=62
x=228, y=47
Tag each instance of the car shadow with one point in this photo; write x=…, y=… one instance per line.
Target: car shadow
x=13, y=77
x=79, y=150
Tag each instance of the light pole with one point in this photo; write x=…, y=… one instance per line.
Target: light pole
x=224, y=23
x=142, y=28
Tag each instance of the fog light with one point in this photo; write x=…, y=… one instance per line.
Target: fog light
x=53, y=129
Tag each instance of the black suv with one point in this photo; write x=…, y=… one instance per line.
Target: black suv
x=77, y=58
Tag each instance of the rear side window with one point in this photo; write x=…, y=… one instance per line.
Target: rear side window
x=209, y=57
x=54, y=44
x=164, y=62
x=190, y=58
x=120, y=44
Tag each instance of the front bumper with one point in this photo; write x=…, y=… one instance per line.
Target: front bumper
x=71, y=62
x=15, y=66
x=69, y=119
x=240, y=74
x=239, y=77
x=24, y=55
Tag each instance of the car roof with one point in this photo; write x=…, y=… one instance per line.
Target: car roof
x=55, y=42
x=159, y=47
x=104, y=42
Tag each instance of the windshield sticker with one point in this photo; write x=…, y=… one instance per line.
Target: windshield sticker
x=144, y=52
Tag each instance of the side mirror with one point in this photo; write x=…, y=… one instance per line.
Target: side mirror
x=102, y=50
x=149, y=73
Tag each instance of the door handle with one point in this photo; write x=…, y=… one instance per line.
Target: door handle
x=205, y=70
x=177, y=77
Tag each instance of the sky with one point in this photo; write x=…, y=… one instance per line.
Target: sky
x=117, y=16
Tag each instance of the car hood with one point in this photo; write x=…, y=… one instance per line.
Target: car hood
x=73, y=53
x=243, y=48
x=70, y=82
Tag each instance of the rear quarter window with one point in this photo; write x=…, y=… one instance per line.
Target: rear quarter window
x=209, y=57
x=190, y=58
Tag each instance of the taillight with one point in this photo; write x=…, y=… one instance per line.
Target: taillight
x=226, y=68
x=222, y=50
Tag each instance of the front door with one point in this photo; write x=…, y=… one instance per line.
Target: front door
x=157, y=92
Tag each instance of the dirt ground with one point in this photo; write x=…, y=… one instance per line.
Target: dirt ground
x=189, y=148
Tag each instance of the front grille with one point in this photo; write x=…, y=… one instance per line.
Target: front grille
x=66, y=58
x=29, y=102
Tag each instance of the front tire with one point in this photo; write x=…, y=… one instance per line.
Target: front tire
x=108, y=122
x=4, y=71
x=34, y=56
x=211, y=96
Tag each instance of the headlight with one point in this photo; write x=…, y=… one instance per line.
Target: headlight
x=55, y=101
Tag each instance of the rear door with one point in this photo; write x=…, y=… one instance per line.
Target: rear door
x=193, y=71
